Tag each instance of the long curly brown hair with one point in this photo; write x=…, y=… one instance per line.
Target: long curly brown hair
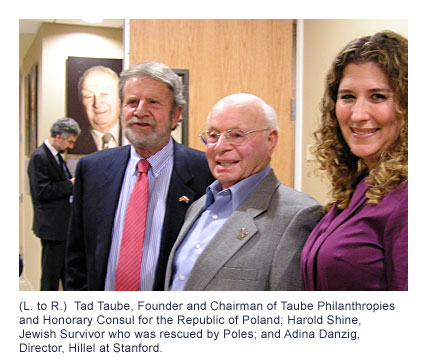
x=390, y=51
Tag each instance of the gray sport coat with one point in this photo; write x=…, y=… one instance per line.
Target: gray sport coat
x=259, y=246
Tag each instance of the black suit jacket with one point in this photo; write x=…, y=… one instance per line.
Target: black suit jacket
x=85, y=143
x=50, y=192
x=99, y=177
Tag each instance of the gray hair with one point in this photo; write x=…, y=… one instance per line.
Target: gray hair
x=99, y=69
x=159, y=72
x=270, y=116
x=65, y=127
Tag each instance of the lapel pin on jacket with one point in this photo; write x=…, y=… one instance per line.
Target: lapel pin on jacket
x=242, y=234
x=184, y=198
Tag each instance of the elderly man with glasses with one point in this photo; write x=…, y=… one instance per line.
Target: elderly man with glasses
x=248, y=230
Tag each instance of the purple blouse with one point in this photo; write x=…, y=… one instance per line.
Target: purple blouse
x=363, y=247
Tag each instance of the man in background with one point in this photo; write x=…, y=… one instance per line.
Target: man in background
x=248, y=231
x=51, y=186
x=130, y=201
x=98, y=90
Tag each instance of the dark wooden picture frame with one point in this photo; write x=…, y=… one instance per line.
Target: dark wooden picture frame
x=181, y=133
x=31, y=109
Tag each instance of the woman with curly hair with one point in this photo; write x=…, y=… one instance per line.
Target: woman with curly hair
x=361, y=144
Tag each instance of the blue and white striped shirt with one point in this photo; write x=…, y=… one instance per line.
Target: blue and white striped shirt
x=159, y=176
x=219, y=205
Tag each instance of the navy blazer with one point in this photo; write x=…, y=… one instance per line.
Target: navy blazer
x=99, y=178
x=50, y=192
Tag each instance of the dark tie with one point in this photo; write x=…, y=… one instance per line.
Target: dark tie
x=63, y=167
x=106, y=138
x=131, y=250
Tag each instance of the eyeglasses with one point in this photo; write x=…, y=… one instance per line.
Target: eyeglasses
x=233, y=136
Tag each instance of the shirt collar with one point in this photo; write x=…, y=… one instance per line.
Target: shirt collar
x=239, y=192
x=156, y=161
x=98, y=136
x=114, y=132
x=50, y=147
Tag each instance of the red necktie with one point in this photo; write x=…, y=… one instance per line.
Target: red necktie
x=128, y=270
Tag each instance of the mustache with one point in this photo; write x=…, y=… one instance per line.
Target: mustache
x=143, y=120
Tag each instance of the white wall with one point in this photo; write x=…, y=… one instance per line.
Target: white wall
x=52, y=46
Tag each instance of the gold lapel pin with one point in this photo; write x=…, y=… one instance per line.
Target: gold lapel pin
x=242, y=234
x=184, y=198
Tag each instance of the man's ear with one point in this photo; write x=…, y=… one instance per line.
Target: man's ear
x=176, y=117
x=272, y=138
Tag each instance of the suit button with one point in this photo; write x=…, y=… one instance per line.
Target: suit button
x=182, y=278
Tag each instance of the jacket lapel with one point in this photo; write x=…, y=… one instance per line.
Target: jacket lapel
x=180, y=197
x=192, y=215
x=53, y=163
x=110, y=188
x=239, y=228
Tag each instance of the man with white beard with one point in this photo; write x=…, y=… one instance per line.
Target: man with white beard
x=105, y=250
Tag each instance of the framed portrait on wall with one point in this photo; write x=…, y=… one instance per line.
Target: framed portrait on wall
x=30, y=98
x=92, y=100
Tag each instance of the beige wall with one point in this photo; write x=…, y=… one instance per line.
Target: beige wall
x=52, y=46
x=225, y=57
x=323, y=39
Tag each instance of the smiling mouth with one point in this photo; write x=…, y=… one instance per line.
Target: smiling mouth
x=139, y=123
x=100, y=111
x=364, y=131
x=142, y=124
x=226, y=163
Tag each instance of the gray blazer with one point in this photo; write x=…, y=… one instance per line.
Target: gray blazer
x=259, y=246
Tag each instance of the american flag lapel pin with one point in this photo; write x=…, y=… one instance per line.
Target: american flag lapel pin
x=184, y=198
